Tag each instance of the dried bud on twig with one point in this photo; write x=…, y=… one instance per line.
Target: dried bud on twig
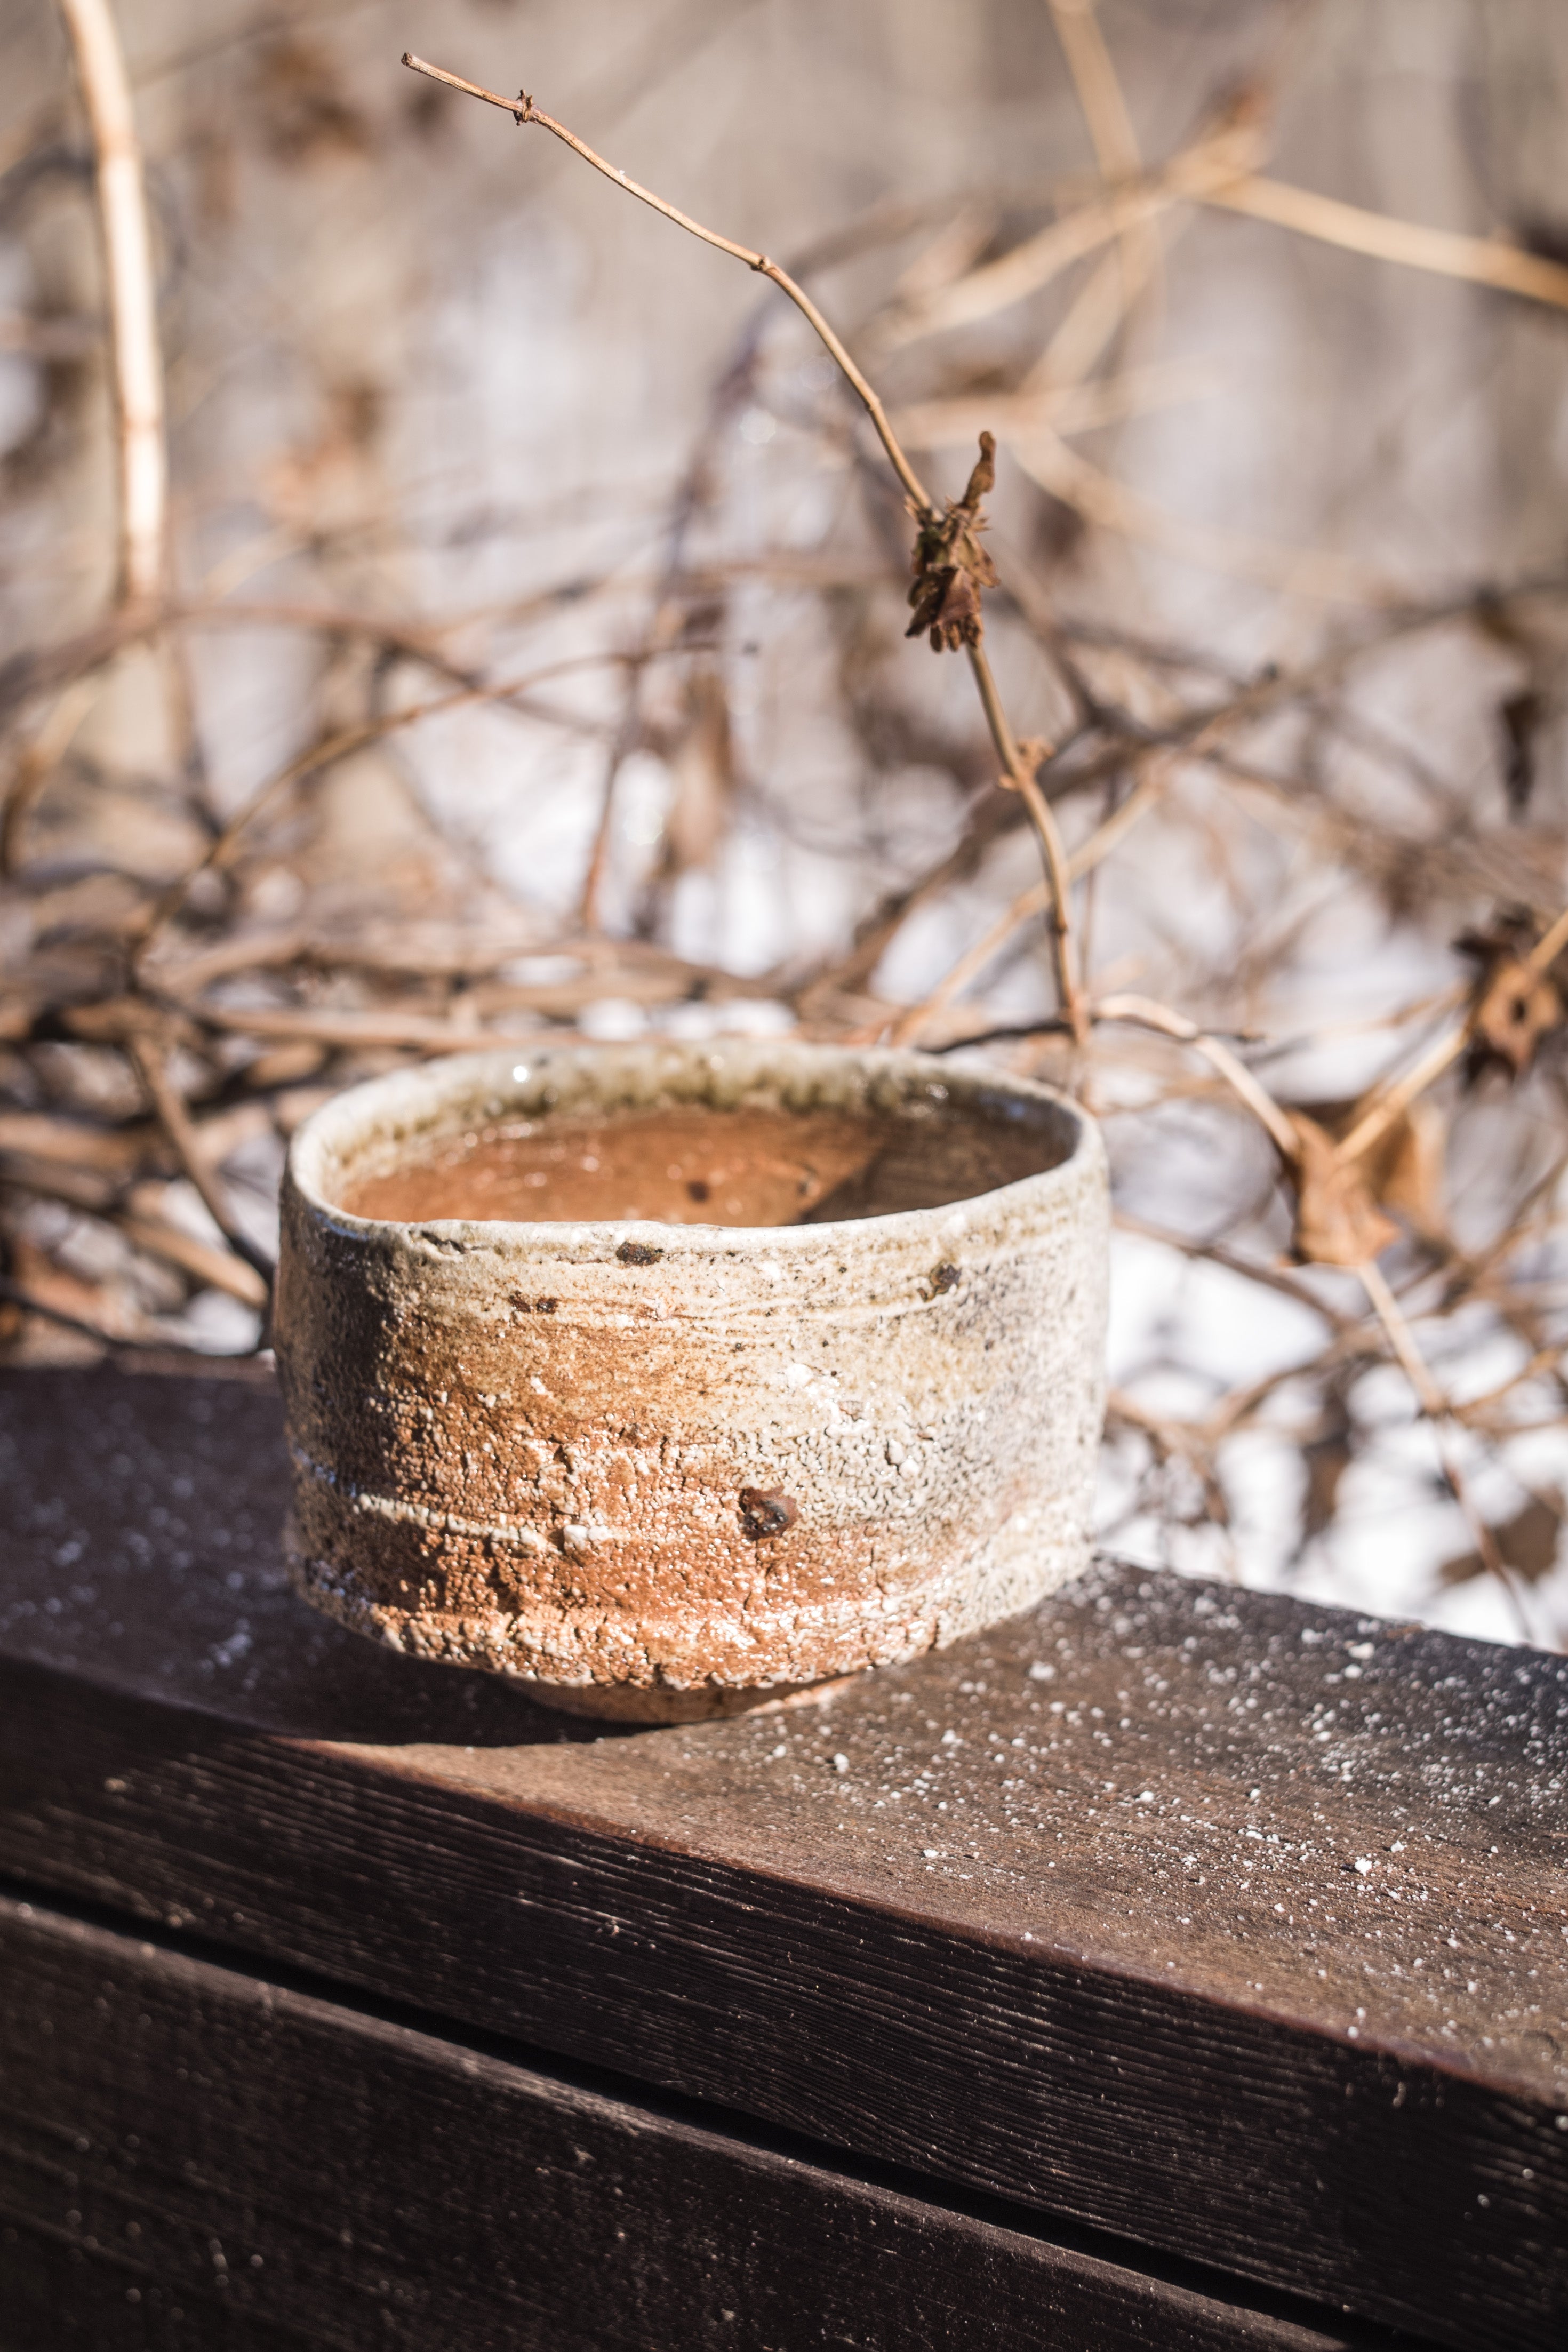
x=1342, y=1204
x=951, y=566
x=1338, y=1221
x=1514, y=1009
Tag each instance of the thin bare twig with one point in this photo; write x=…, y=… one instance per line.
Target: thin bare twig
x=1281, y=1278
x=1436, y=1408
x=1058, y=885
x=1041, y=897
x=1017, y=768
x=1019, y=764
x=522, y=110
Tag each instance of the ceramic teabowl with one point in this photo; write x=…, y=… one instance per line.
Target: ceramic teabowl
x=666, y=1469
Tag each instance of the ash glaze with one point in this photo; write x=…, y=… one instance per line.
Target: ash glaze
x=564, y=1450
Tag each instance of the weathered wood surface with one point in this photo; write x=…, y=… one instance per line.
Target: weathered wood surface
x=1071, y=1914
x=241, y=2154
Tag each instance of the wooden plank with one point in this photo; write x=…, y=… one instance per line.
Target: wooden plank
x=253, y=2157
x=1077, y=1921
x=55, y=2296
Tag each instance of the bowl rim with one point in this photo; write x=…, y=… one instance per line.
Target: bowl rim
x=452, y=1076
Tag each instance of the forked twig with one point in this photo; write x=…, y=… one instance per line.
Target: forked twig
x=1144, y=1012
x=1387, y=1107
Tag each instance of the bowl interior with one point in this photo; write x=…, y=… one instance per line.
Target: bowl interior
x=751, y=1135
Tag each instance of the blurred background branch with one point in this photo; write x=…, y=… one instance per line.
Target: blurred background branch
x=517, y=651
x=137, y=357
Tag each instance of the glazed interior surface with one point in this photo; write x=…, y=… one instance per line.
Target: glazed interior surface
x=691, y=1164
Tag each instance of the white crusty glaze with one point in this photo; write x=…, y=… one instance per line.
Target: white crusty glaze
x=513, y=1449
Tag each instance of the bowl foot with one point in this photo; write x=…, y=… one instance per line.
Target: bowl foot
x=709, y=1702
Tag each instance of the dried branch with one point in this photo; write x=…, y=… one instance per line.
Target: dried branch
x=1481, y=260
x=522, y=110
x=360, y=1031
x=947, y=551
x=215, y=1269
x=1099, y=91
x=35, y=763
x=178, y=1126
x=1226, y=153
x=359, y=969
x=1042, y=897
x=1060, y=404
x=132, y=299
x=325, y=753
x=1104, y=106
x=1046, y=458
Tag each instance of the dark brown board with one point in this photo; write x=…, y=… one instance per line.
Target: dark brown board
x=251, y=2156
x=57, y=2297
x=992, y=1964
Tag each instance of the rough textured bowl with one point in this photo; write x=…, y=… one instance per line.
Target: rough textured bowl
x=758, y=1458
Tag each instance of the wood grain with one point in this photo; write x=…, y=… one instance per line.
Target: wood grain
x=260, y=2159
x=1071, y=1913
